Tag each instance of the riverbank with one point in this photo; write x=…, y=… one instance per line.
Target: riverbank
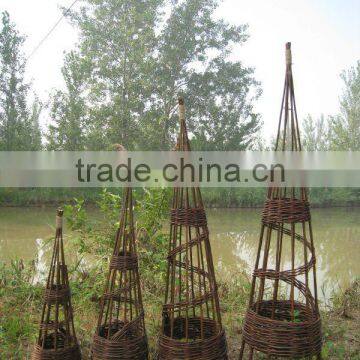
x=20, y=304
x=90, y=240
x=234, y=235
x=213, y=197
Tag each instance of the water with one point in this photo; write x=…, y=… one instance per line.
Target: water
x=234, y=237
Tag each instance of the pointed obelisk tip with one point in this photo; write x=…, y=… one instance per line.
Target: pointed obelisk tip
x=181, y=109
x=288, y=55
x=59, y=218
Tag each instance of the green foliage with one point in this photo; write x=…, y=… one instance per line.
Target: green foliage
x=341, y=319
x=21, y=296
x=213, y=197
x=233, y=197
x=135, y=59
x=41, y=196
x=342, y=131
x=346, y=126
x=66, y=132
x=75, y=214
x=19, y=125
x=316, y=134
x=16, y=293
x=194, y=61
x=122, y=83
x=339, y=133
x=152, y=206
x=97, y=237
x=35, y=132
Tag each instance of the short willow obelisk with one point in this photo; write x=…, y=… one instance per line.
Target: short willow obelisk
x=57, y=338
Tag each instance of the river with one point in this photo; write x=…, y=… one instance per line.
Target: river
x=234, y=237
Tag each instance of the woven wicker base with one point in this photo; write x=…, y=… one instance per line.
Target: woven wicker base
x=131, y=346
x=68, y=353
x=280, y=336
x=212, y=347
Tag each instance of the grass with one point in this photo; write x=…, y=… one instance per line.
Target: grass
x=341, y=325
x=20, y=302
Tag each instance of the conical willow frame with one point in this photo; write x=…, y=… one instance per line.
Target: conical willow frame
x=191, y=320
x=120, y=333
x=57, y=338
x=282, y=320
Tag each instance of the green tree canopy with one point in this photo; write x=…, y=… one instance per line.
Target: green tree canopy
x=19, y=125
x=68, y=110
x=136, y=57
x=316, y=134
x=342, y=131
x=346, y=126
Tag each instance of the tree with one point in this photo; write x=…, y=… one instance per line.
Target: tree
x=68, y=111
x=139, y=59
x=18, y=125
x=194, y=61
x=316, y=134
x=35, y=132
x=346, y=126
x=339, y=132
x=116, y=49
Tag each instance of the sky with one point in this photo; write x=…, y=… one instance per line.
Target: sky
x=325, y=37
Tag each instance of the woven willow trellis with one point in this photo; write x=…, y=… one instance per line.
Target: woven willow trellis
x=191, y=325
x=57, y=338
x=283, y=317
x=120, y=332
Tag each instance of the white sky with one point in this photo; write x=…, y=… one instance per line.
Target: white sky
x=325, y=36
